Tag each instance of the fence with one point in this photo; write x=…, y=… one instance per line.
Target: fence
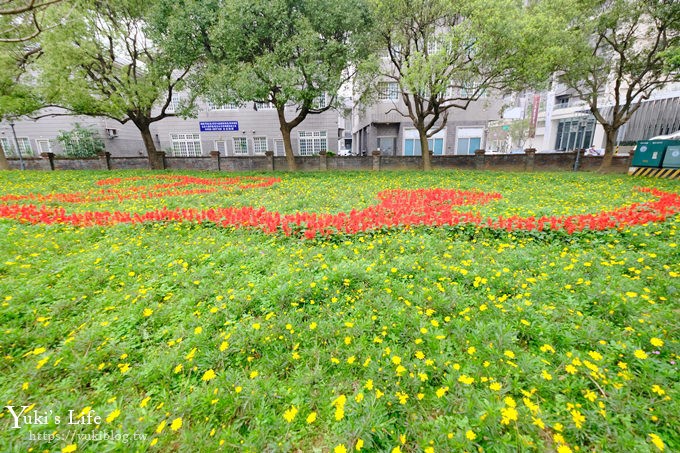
x=529, y=161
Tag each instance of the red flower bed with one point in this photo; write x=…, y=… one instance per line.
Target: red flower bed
x=433, y=207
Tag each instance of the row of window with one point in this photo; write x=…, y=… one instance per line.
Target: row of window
x=189, y=145
x=389, y=91
x=175, y=103
x=24, y=146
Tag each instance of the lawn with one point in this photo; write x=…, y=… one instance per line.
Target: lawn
x=337, y=312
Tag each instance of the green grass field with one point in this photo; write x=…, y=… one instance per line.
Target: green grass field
x=199, y=338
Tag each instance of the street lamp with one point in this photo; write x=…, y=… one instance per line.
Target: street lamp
x=16, y=142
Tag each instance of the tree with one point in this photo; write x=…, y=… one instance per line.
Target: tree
x=445, y=54
x=623, y=50
x=101, y=63
x=22, y=20
x=17, y=98
x=294, y=54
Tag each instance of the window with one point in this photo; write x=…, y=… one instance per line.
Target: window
x=561, y=102
x=468, y=145
x=10, y=147
x=312, y=143
x=221, y=147
x=387, y=145
x=259, y=145
x=175, y=103
x=44, y=146
x=228, y=106
x=240, y=146
x=432, y=47
x=575, y=133
x=469, y=139
x=279, y=148
x=186, y=145
x=412, y=146
x=388, y=91
x=263, y=105
x=320, y=102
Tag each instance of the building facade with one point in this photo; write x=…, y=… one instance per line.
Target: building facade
x=233, y=130
x=381, y=127
x=565, y=122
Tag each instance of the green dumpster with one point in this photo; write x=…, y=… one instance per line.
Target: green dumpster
x=672, y=158
x=650, y=153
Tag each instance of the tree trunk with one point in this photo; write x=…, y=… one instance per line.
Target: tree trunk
x=155, y=160
x=285, y=133
x=425, y=147
x=4, y=165
x=610, y=142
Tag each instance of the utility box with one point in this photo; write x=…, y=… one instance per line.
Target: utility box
x=672, y=157
x=650, y=153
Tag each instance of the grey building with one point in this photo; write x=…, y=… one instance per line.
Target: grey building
x=381, y=127
x=233, y=130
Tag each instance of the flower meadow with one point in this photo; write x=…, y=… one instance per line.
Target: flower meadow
x=337, y=312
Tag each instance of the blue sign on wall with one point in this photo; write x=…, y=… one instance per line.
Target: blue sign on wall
x=218, y=126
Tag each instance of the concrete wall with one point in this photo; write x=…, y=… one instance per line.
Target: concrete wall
x=479, y=161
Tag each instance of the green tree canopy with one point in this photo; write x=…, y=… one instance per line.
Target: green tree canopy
x=444, y=54
x=101, y=62
x=289, y=53
x=621, y=52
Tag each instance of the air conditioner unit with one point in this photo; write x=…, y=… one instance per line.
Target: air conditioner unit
x=111, y=133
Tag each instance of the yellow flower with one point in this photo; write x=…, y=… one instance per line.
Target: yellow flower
x=658, y=443
x=467, y=380
x=403, y=397
x=508, y=414
x=590, y=395
x=509, y=354
x=69, y=448
x=254, y=374
x=658, y=390
x=369, y=384
x=340, y=449
x=224, y=345
x=441, y=391
x=470, y=435
x=595, y=355
x=571, y=369
x=147, y=312
x=563, y=449
x=311, y=418
x=396, y=360
x=640, y=354
x=290, y=414
x=578, y=418
x=208, y=375
x=256, y=326
x=658, y=342
x=161, y=427
x=176, y=424
x=359, y=445
x=545, y=375
x=496, y=387
x=113, y=415
x=145, y=401
x=396, y=449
